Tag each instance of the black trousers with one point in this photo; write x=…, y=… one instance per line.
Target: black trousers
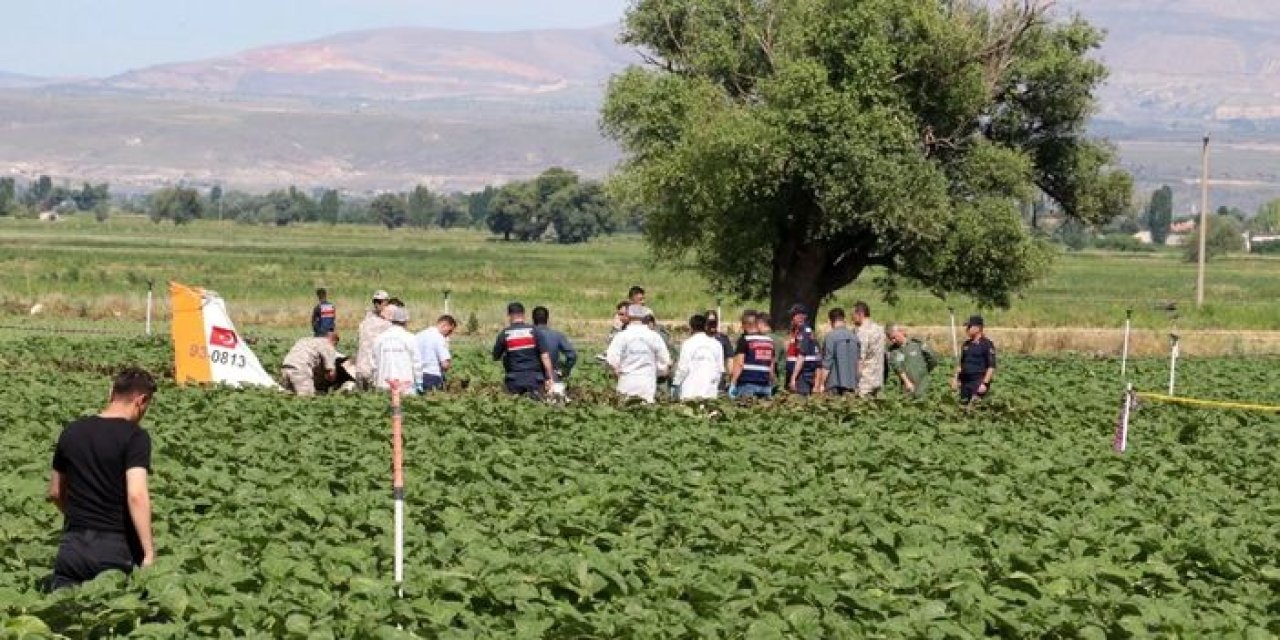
x=85, y=553
x=529, y=385
x=969, y=390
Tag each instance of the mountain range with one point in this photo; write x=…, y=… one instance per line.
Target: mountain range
x=388, y=108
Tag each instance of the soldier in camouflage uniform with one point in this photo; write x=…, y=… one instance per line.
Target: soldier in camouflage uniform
x=310, y=359
x=371, y=327
x=871, y=357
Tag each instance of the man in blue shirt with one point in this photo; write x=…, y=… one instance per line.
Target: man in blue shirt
x=563, y=355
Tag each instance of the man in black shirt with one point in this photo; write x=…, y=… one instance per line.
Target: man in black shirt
x=524, y=356
x=99, y=483
x=977, y=363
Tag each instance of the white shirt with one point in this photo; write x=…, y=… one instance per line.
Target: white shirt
x=638, y=354
x=433, y=351
x=700, y=368
x=395, y=357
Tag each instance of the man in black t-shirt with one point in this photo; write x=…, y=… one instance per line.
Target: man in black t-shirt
x=977, y=364
x=524, y=356
x=99, y=483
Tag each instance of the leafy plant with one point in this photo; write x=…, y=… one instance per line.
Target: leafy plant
x=602, y=519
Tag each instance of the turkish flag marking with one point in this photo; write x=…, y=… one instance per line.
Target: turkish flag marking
x=225, y=338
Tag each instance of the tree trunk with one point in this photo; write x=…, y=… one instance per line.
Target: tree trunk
x=797, y=280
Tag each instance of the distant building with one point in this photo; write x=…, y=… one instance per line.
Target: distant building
x=1184, y=227
x=1252, y=241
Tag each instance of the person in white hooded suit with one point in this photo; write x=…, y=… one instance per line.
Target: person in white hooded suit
x=638, y=355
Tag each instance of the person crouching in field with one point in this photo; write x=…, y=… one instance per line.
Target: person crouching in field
x=701, y=364
x=310, y=361
x=395, y=355
x=638, y=356
x=977, y=363
x=99, y=482
x=911, y=360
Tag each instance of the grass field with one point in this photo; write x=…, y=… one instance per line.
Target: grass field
x=93, y=276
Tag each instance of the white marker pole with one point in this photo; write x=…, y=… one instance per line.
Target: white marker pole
x=446, y=301
x=149, y=297
x=1173, y=361
x=1122, y=430
x=397, y=485
x=955, y=344
x=1124, y=356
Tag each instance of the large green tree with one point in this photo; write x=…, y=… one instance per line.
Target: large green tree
x=8, y=196
x=179, y=204
x=786, y=146
x=390, y=209
x=1225, y=236
x=1267, y=222
x=424, y=207
x=329, y=206
x=1160, y=214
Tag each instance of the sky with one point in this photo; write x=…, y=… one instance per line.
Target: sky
x=66, y=38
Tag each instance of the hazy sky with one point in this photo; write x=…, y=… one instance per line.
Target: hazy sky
x=103, y=37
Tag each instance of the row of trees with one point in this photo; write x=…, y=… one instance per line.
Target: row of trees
x=556, y=203
x=42, y=195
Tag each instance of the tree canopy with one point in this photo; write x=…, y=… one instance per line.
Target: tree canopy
x=787, y=146
x=577, y=210
x=179, y=204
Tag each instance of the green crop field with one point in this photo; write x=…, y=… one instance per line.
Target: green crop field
x=821, y=519
x=826, y=519
x=87, y=274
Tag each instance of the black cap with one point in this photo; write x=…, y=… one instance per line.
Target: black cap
x=975, y=321
x=798, y=309
x=515, y=308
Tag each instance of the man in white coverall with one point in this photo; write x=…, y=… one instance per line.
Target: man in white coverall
x=395, y=355
x=637, y=356
x=701, y=363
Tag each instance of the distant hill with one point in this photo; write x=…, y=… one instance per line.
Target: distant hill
x=1186, y=60
x=19, y=81
x=400, y=64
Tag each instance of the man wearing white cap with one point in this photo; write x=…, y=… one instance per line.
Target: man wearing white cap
x=370, y=328
x=395, y=355
x=638, y=355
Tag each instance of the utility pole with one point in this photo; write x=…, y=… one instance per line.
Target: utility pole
x=1204, y=219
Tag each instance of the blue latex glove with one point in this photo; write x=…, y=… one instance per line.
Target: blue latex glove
x=733, y=391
